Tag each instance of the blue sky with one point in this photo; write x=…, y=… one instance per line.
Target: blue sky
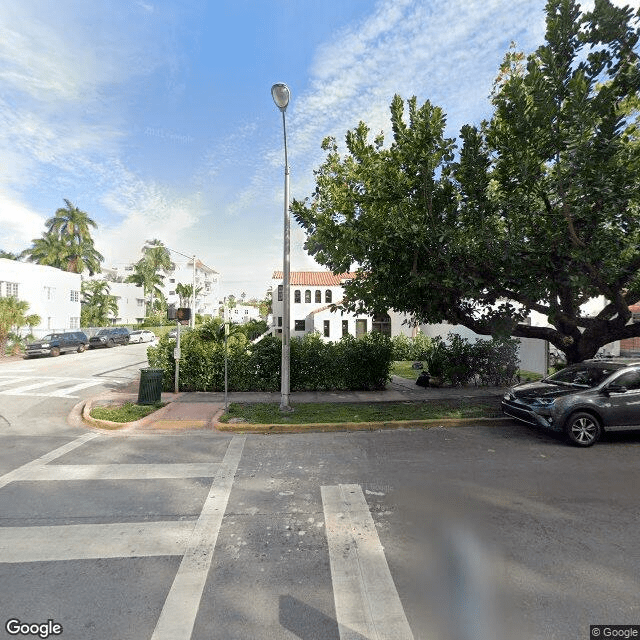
x=156, y=118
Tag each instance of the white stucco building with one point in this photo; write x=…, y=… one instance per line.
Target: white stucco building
x=52, y=294
x=207, y=279
x=242, y=313
x=312, y=295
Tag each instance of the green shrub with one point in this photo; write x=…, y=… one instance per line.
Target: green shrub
x=315, y=365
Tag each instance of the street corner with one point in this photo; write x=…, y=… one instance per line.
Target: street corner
x=80, y=416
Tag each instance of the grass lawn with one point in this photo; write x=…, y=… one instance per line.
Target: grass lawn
x=128, y=412
x=269, y=413
x=404, y=369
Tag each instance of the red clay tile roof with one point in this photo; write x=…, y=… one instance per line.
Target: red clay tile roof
x=315, y=278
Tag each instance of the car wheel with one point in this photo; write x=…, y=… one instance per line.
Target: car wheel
x=583, y=429
x=55, y=352
x=110, y=344
x=81, y=348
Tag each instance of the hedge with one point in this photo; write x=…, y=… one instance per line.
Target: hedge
x=350, y=364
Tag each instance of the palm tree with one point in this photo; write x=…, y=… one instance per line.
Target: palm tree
x=49, y=251
x=150, y=280
x=8, y=255
x=13, y=315
x=71, y=226
x=67, y=242
x=185, y=291
x=97, y=303
x=157, y=255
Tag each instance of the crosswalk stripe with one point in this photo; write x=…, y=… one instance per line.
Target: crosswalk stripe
x=367, y=603
x=183, y=601
x=65, y=393
x=24, y=472
x=91, y=541
x=36, y=388
x=64, y=472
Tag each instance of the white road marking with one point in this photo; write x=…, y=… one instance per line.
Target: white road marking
x=10, y=380
x=40, y=383
x=366, y=600
x=123, y=471
x=183, y=601
x=92, y=541
x=26, y=470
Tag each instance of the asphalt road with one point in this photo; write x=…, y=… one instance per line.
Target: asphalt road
x=451, y=534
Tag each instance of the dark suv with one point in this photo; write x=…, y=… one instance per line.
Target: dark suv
x=56, y=343
x=110, y=337
x=581, y=400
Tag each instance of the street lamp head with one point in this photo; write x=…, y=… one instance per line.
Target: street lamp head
x=281, y=94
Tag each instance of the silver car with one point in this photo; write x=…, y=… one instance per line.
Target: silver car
x=582, y=400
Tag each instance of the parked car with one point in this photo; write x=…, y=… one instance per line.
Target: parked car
x=174, y=332
x=56, y=343
x=110, y=337
x=582, y=400
x=142, y=335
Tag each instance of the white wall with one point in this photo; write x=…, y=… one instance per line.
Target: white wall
x=52, y=294
x=131, y=304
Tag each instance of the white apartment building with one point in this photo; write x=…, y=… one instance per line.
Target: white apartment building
x=52, y=294
x=207, y=279
x=242, y=313
x=312, y=295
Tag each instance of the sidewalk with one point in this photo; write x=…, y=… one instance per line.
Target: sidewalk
x=197, y=410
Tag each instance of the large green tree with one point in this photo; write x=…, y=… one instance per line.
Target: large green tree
x=538, y=209
x=67, y=243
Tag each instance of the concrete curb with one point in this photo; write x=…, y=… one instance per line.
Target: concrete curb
x=80, y=416
x=244, y=427
x=119, y=426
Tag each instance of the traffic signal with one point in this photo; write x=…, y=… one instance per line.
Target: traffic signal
x=183, y=314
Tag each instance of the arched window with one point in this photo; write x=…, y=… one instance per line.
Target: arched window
x=327, y=295
x=318, y=296
x=296, y=295
x=381, y=323
x=307, y=296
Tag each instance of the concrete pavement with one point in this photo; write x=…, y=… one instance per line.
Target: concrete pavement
x=198, y=410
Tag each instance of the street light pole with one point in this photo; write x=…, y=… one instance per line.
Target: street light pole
x=192, y=324
x=281, y=95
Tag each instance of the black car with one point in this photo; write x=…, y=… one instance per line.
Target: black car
x=582, y=400
x=56, y=343
x=110, y=337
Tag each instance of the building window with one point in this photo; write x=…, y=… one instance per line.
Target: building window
x=345, y=327
x=280, y=290
x=296, y=296
x=318, y=296
x=326, y=328
x=75, y=296
x=299, y=325
x=361, y=328
x=140, y=302
x=327, y=295
x=74, y=323
x=279, y=321
x=381, y=323
x=307, y=296
x=10, y=289
x=49, y=293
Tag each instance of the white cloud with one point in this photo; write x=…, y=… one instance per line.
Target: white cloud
x=18, y=224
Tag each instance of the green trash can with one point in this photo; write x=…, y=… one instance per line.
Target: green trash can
x=150, y=390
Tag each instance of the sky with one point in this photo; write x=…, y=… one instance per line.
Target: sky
x=155, y=117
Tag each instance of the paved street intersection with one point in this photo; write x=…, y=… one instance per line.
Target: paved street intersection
x=446, y=534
